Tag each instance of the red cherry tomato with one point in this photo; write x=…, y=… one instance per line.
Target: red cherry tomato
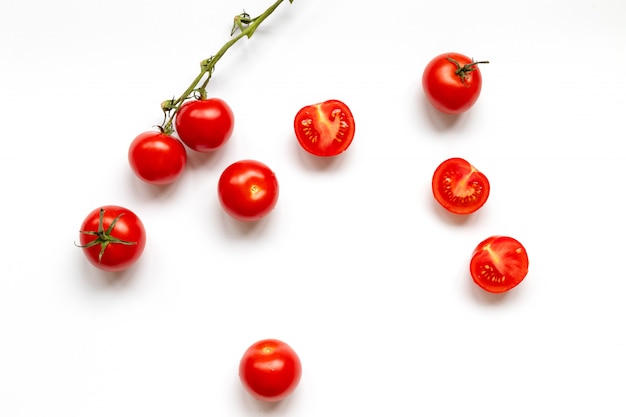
x=459, y=187
x=204, y=125
x=248, y=190
x=270, y=370
x=325, y=129
x=112, y=237
x=452, y=82
x=498, y=264
x=157, y=158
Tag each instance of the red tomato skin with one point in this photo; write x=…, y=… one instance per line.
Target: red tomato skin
x=445, y=90
x=325, y=129
x=117, y=257
x=205, y=125
x=270, y=370
x=248, y=190
x=157, y=158
x=499, y=263
x=452, y=179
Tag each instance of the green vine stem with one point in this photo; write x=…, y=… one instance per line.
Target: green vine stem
x=246, y=26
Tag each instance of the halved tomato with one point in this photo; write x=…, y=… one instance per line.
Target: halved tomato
x=499, y=263
x=459, y=187
x=325, y=129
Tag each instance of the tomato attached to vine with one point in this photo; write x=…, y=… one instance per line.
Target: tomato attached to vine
x=202, y=123
x=243, y=26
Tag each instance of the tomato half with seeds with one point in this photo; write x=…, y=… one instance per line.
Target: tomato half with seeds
x=112, y=238
x=248, y=190
x=459, y=187
x=270, y=370
x=452, y=82
x=325, y=129
x=157, y=158
x=499, y=263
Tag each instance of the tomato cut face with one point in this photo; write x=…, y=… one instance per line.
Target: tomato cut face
x=459, y=187
x=325, y=129
x=498, y=264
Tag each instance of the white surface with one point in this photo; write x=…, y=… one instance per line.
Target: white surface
x=357, y=268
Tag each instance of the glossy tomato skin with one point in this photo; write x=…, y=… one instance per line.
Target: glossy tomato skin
x=270, y=370
x=459, y=187
x=205, y=125
x=248, y=190
x=325, y=129
x=157, y=158
x=447, y=91
x=128, y=228
x=498, y=264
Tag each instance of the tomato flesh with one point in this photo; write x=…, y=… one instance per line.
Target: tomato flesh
x=270, y=370
x=499, y=263
x=459, y=187
x=325, y=129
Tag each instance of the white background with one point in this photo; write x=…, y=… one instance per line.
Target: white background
x=357, y=268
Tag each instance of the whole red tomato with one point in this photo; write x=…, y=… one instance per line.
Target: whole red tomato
x=112, y=237
x=204, y=125
x=459, y=187
x=248, y=190
x=498, y=264
x=452, y=82
x=325, y=129
x=270, y=370
x=157, y=158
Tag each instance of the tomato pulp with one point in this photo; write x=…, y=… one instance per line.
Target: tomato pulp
x=498, y=264
x=325, y=129
x=459, y=187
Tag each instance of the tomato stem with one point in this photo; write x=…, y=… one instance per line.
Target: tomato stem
x=246, y=26
x=462, y=71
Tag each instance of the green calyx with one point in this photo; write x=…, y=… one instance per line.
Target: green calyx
x=103, y=237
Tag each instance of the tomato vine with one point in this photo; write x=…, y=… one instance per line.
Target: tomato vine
x=246, y=26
